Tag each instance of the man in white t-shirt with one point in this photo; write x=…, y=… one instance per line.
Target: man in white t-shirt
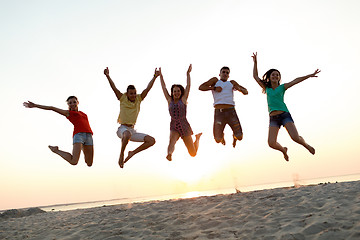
x=225, y=113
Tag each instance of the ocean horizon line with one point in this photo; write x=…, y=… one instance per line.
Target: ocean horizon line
x=192, y=194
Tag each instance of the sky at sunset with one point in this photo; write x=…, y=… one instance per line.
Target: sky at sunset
x=53, y=49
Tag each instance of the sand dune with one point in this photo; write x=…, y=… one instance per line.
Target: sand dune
x=327, y=211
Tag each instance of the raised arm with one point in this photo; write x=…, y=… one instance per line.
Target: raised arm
x=210, y=85
x=163, y=86
x=188, y=83
x=151, y=83
x=112, y=84
x=255, y=72
x=300, y=79
x=239, y=87
x=57, y=110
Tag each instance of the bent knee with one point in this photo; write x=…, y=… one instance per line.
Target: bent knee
x=296, y=139
x=150, y=140
x=239, y=137
x=271, y=144
x=74, y=160
x=192, y=152
x=89, y=163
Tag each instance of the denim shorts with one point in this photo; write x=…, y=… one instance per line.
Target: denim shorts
x=280, y=119
x=83, y=138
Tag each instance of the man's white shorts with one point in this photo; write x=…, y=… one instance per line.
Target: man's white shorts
x=135, y=136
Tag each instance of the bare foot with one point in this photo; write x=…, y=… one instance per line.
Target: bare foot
x=223, y=141
x=197, y=140
x=130, y=154
x=54, y=149
x=121, y=160
x=285, y=154
x=311, y=149
x=168, y=157
x=197, y=136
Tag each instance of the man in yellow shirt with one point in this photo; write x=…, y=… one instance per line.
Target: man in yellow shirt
x=129, y=110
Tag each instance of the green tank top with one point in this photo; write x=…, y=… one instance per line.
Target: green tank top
x=275, y=99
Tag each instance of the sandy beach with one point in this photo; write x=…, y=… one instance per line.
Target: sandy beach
x=324, y=211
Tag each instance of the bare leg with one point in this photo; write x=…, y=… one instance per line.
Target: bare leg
x=197, y=140
x=174, y=137
x=72, y=159
x=272, y=141
x=191, y=146
x=290, y=127
x=88, y=151
x=124, y=141
x=149, y=141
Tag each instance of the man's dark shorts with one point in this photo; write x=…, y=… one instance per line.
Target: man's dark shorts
x=223, y=117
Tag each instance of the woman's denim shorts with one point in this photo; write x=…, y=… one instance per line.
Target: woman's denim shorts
x=280, y=119
x=83, y=138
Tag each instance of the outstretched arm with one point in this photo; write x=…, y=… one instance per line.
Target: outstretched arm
x=188, y=83
x=255, y=72
x=163, y=86
x=112, y=84
x=33, y=105
x=239, y=87
x=300, y=79
x=210, y=85
x=151, y=83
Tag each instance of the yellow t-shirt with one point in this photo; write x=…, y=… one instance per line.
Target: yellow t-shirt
x=129, y=111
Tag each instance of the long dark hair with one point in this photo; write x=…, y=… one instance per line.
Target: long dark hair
x=182, y=89
x=266, y=78
x=71, y=98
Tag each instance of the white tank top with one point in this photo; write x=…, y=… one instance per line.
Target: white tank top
x=226, y=96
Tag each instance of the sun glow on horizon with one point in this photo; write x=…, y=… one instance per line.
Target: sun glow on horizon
x=187, y=172
x=192, y=170
x=192, y=194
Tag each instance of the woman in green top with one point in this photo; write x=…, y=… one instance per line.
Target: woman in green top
x=279, y=114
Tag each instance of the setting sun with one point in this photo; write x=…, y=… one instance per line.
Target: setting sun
x=189, y=170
